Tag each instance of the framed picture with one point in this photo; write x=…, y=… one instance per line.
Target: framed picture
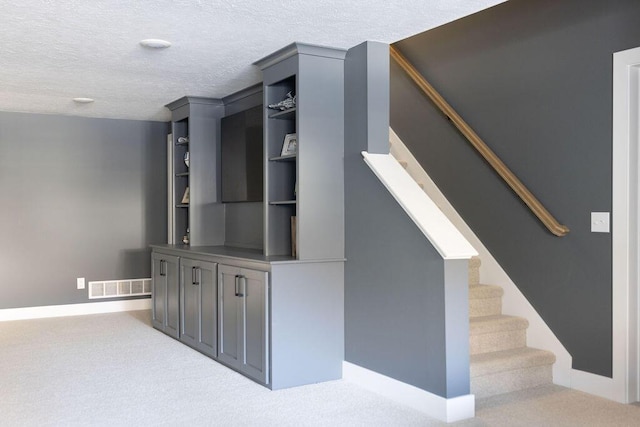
x=290, y=145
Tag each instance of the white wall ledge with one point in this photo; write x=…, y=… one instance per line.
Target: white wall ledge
x=441, y=232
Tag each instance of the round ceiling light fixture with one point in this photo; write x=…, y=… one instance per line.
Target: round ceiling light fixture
x=155, y=43
x=83, y=100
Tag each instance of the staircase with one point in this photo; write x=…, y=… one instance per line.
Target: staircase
x=500, y=360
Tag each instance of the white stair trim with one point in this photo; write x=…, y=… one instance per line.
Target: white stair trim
x=25, y=313
x=514, y=303
x=448, y=410
x=442, y=234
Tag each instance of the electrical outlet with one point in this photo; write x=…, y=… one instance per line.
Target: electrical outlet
x=80, y=282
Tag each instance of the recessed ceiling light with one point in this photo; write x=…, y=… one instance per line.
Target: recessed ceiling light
x=83, y=100
x=155, y=43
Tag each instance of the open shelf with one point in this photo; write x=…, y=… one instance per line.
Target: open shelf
x=182, y=206
x=183, y=174
x=288, y=114
x=283, y=202
x=287, y=158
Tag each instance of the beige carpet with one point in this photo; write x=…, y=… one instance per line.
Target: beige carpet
x=115, y=370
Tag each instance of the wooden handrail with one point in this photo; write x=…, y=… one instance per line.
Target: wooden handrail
x=523, y=192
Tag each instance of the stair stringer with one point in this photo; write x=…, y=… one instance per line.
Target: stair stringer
x=514, y=303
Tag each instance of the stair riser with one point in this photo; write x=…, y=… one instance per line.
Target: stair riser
x=505, y=382
x=485, y=307
x=497, y=341
x=474, y=275
x=474, y=271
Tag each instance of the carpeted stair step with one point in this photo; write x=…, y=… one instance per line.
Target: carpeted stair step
x=510, y=370
x=485, y=300
x=496, y=333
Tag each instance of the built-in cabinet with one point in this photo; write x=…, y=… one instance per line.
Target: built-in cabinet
x=273, y=313
x=277, y=320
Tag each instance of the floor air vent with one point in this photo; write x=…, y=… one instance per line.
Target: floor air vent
x=119, y=288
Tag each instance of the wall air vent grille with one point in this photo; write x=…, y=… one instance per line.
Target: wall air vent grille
x=119, y=288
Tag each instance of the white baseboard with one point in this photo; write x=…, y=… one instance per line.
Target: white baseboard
x=74, y=309
x=448, y=410
x=597, y=385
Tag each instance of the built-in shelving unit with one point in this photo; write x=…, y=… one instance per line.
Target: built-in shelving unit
x=281, y=286
x=194, y=126
x=307, y=185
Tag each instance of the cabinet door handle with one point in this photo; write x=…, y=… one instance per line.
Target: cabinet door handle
x=241, y=292
x=163, y=267
x=195, y=275
x=236, y=285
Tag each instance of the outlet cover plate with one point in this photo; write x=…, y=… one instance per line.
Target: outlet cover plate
x=80, y=282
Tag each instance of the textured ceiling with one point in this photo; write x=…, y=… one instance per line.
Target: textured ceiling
x=54, y=50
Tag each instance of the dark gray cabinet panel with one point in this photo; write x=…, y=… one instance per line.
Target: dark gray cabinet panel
x=165, y=295
x=198, y=305
x=243, y=314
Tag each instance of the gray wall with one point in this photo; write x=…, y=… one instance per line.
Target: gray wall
x=395, y=313
x=534, y=79
x=81, y=198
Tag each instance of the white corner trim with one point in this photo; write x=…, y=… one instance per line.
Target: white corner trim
x=448, y=410
x=442, y=234
x=539, y=335
x=8, y=314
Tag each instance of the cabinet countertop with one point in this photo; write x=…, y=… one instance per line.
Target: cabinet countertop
x=240, y=254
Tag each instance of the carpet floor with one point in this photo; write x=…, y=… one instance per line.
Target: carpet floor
x=116, y=370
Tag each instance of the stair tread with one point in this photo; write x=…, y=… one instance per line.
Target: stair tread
x=496, y=323
x=485, y=291
x=509, y=360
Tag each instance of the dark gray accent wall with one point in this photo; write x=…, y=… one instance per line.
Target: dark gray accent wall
x=395, y=311
x=534, y=79
x=82, y=197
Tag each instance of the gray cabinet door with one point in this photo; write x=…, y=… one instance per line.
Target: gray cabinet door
x=159, y=291
x=243, y=319
x=229, y=317
x=198, y=305
x=165, y=294
x=189, y=303
x=208, y=342
x=253, y=286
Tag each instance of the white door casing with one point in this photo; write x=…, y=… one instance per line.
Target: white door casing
x=625, y=238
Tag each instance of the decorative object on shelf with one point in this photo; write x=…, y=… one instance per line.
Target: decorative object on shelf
x=183, y=140
x=185, y=238
x=288, y=102
x=294, y=246
x=185, y=196
x=186, y=158
x=290, y=144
